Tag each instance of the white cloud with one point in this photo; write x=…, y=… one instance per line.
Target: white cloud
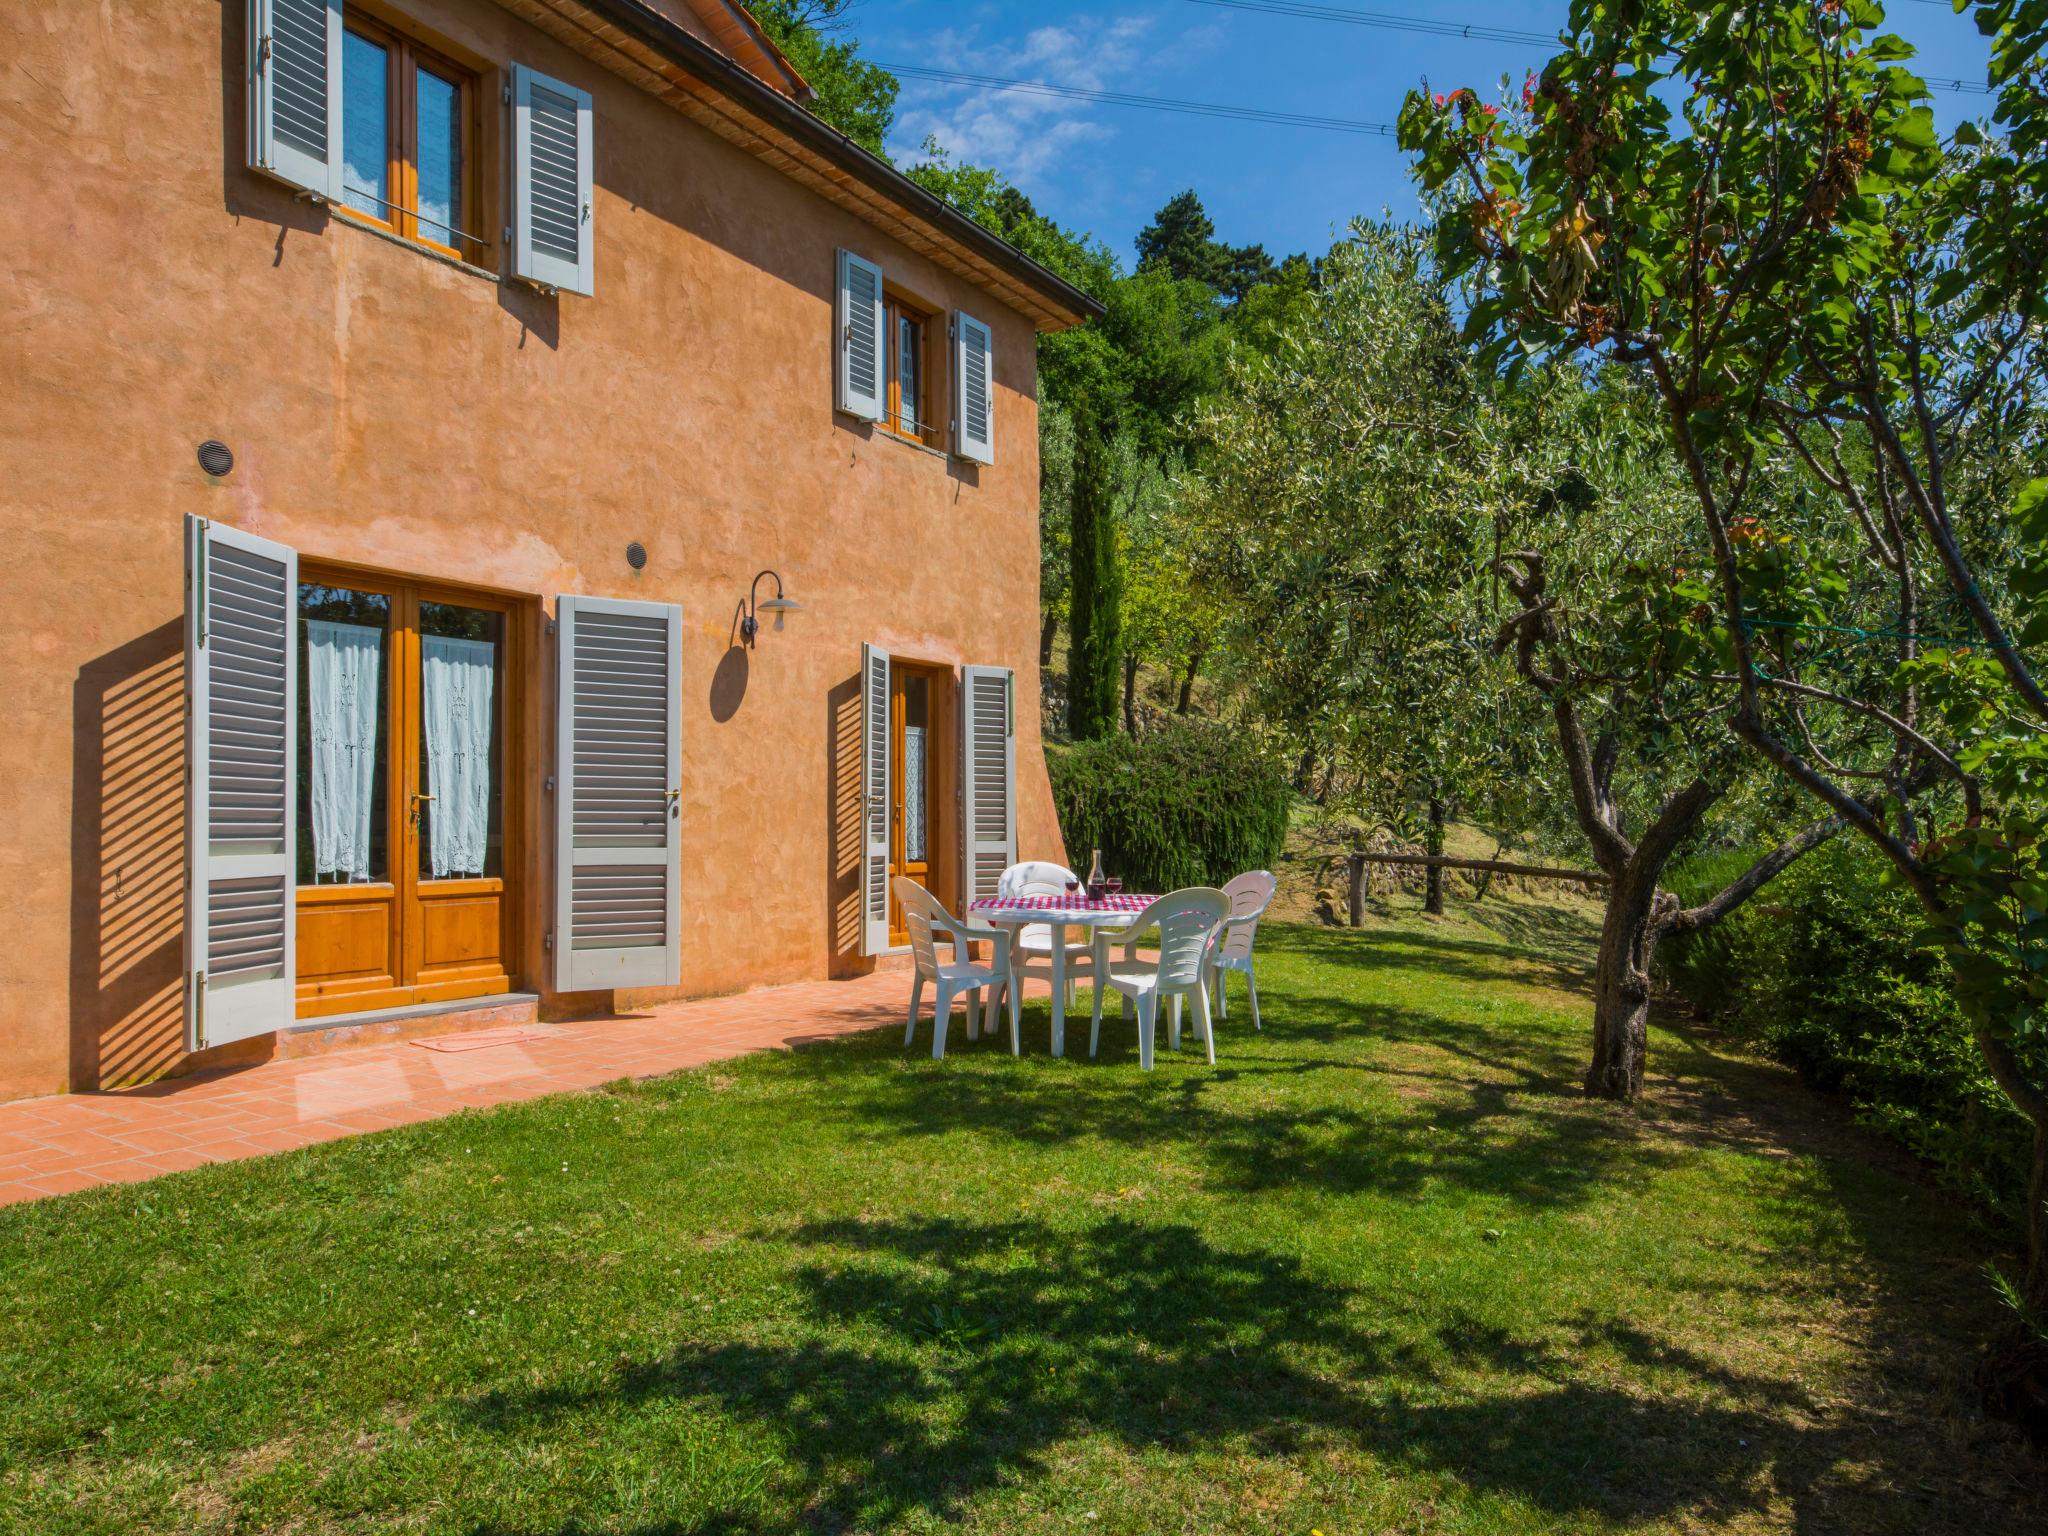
x=1023, y=135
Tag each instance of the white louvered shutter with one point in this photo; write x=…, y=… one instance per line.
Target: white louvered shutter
x=862, y=370
x=874, y=800
x=988, y=778
x=618, y=781
x=241, y=739
x=974, y=390
x=551, y=190
x=294, y=89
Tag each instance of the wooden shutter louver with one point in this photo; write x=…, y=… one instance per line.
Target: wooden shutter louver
x=241, y=668
x=988, y=777
x=619, y=766
x=862, y=368
x=974, y=406
x=874, y=799
x=551, y=158
x=294, y=90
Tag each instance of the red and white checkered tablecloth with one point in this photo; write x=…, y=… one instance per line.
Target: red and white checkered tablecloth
x=1127, y=901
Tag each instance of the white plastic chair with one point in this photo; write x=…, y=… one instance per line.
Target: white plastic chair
x=927, y=919
x=1187, y=922
x=1250, y=895
x=1031, y=951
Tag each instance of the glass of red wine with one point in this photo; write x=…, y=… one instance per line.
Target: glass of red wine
x=1115, y=884
x=1073, y=886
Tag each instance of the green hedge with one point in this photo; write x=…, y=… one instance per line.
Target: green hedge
x=1192, y=803
x=1820, y=968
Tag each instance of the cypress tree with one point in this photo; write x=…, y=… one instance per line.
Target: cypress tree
x=1095, y=606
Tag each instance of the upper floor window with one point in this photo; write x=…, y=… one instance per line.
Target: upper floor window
x=363, y=117
x=408, y=131
x=886, y=347
x=906, y=407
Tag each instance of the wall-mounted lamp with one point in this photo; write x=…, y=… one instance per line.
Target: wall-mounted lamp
x=752, y=606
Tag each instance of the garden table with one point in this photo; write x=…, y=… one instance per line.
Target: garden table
x=1014, y=914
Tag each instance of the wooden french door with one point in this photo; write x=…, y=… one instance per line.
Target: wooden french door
x=920, y=777
x=404, y=862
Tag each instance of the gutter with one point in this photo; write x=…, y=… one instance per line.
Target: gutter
x=707, y=64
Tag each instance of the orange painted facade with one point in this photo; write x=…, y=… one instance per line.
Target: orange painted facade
x=416, y=417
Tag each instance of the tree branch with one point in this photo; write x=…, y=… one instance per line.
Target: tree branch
x=1756, y=877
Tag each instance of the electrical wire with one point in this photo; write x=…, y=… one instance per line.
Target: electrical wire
x=1149, y=103
x=1305, y=10
x=1427, y=26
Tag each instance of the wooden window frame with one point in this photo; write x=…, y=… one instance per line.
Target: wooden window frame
x=406, y=56
x=896, y=308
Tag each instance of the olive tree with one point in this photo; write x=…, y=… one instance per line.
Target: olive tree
x=1362, y=488
x=1750, y=208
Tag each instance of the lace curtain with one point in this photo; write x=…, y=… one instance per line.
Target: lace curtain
x=342, y=666
x=459, y=675
x=913, y=794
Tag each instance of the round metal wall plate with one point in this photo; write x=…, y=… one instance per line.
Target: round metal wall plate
x=636, y=555
x=215, y=457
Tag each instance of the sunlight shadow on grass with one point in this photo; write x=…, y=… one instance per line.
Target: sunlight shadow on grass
x=935, y=1358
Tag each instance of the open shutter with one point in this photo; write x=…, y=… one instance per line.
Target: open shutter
x=974, y=400
x=988, y=778
x=618, y=869
x=861, y=366
x=551, y=229
x=241, y=739
x=874, y=800
x=294, y=89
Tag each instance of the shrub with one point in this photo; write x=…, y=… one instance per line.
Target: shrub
x=1821, y=968
x=1192, y=803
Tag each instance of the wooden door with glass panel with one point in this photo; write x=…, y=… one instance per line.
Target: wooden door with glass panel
x=920, y=780
x=404, y=744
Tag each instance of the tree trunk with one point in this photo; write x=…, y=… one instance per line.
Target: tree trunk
x=1621, y=985
x=2014, y=1372
x=1485, y=887
x=1048, y=628
x=1187, y=684
x=1358, y=888
x=1433, y=888
x=1130, y=693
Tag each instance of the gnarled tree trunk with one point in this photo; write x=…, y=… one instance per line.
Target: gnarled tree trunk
x=1629, y=931
x=1186, y=702
x=2013, y=1375
x=1433, y=885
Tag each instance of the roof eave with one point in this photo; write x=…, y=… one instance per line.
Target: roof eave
x=1066, y=305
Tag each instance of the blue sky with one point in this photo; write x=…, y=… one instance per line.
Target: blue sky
x=1106, y=169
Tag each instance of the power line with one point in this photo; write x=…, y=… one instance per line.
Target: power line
x=1304, y=10
x=1428, y=26
x=1149, y=103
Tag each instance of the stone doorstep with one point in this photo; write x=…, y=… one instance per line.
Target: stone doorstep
x=355, y=1031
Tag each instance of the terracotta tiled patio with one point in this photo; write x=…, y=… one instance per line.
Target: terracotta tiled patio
x=55, y=1145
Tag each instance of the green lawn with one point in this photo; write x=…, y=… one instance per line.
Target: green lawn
x=1381, y=1270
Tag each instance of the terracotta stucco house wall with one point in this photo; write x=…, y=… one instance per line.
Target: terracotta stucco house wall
x=415, y=417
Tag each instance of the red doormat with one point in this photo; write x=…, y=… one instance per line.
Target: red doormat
x=484, y=1039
